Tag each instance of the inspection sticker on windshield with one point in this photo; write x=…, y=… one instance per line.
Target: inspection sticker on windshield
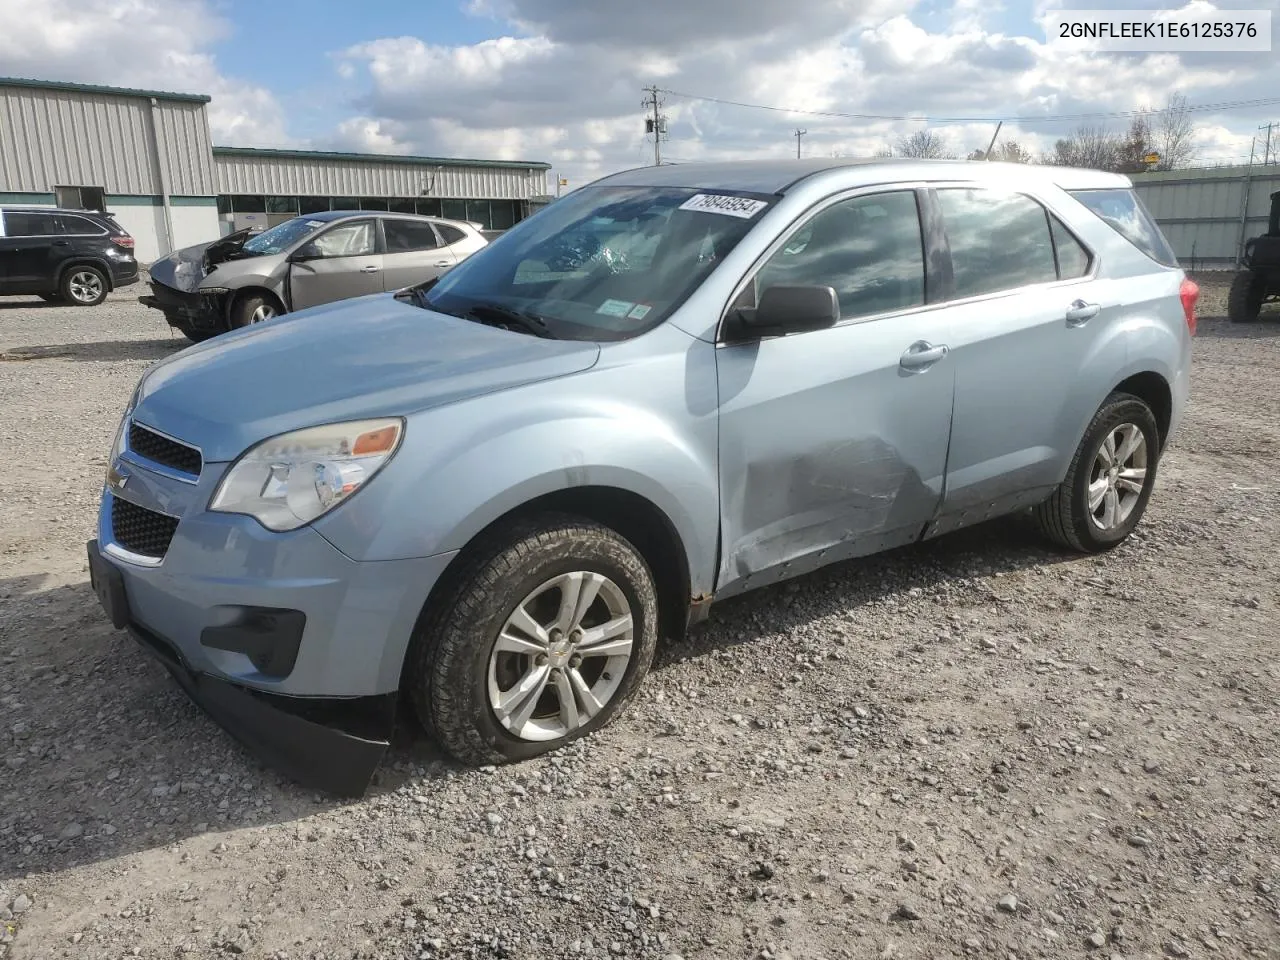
x=315, y=223
x=743, y=207
x=639, y=311
x=615, y=308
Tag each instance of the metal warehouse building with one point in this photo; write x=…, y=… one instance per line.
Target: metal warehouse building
x=146, y=156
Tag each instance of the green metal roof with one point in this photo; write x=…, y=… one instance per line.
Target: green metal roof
x=266, y=154
x=95, y=88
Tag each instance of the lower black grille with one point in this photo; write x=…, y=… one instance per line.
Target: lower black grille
x=140, y=530
x=160, y=449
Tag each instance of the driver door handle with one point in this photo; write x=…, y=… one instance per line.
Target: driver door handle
x=371, y=268
x=1080, y=313
x=922, y=355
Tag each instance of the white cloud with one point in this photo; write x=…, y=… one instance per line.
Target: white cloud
x=159, y=44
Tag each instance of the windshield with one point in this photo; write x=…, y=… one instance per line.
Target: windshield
x=282, y=236
x=603, y=263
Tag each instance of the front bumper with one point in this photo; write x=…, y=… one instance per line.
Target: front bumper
x=333, y=745
x=200, y=311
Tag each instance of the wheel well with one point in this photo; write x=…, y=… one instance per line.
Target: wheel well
x=1153, y=390
x=243, y=292
x=86, y=262
x=631, y=516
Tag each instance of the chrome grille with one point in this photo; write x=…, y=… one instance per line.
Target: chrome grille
x=158, y=448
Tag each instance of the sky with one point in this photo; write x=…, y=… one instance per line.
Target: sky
x=562, y=81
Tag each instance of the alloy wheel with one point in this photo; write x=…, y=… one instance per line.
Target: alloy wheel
x=85, y=287
x=264, y=312
x=1118, y=477
x=561, y=656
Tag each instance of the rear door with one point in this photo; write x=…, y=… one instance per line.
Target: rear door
x=26, y=251
x=343, y=261
x=1025, y=313
x=414, y=253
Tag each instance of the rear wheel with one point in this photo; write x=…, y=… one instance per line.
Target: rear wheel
x=84, y=286
x=545, y=634
x=1244, y=302
x=1109, y=482
x=254, y=308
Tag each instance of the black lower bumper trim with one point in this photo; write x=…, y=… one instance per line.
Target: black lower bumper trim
x=333, y=745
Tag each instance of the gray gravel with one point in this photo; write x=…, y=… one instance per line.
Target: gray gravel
x=974, y=748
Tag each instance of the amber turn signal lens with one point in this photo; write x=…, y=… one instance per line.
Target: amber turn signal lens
x=375, y=441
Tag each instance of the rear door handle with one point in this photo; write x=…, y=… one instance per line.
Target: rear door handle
x=443, y=263
x=369, y=269
x=1080, y=313
x=62, y=243
x=922, y=355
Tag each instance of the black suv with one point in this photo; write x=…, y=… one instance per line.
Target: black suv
x=64, y=256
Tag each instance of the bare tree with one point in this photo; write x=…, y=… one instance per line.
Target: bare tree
x=924, y=144
x=1010, y=152
x=884, y=153
x=1175, y=135
x=1088, y=146
x=1133, y=148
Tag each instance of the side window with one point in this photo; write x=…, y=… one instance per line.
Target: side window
x=70, y=225
x=22, y=224
x=868, y=248
x=1073, y=258
x=347, y=240
x=451, y=234
x=405, y=236
x=999, y=241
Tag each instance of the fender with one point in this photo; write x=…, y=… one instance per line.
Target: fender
x=538, y=441
x=86, y=260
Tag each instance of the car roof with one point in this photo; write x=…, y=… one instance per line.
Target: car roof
x=31, y=208
x=780, y=176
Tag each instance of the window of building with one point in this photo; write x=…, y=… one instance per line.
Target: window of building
x=868, y=248
x=503, y=214
x=224, y=204
x=429, y=207
x=1073, y=258
x=999, y=241
x=282, y=204
x=80, y=198
x=345, y=203
x=248, y=203
x=373, y=203
x=404, y=236
x=454, y=209
x=313, y=204
x=400, y=205
x=478, y=212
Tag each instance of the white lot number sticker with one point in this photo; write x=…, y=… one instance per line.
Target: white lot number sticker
x=639, y=311
x=742, y=207
x=615, y=308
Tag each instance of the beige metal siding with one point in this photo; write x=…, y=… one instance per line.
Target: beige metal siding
x=325, y=177
x=52, y=138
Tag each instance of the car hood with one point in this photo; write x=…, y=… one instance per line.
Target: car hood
x=186, y=268
x=365, y=357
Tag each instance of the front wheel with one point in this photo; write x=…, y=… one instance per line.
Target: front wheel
x=1109, y=482
x=253, y=308
x=543, y=637
x=195, y=334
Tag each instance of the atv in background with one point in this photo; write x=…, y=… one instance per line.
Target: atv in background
x=1259, y=280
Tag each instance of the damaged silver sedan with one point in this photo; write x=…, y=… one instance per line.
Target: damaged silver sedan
x=242, y=279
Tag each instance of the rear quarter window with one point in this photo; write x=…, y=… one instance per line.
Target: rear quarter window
x=1122, y=210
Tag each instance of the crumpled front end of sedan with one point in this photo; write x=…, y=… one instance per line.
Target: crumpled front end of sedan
x=179, y=291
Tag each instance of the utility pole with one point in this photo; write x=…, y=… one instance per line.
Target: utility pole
x=1266, y=153
x=657, y=124
x=799, y=133
x=992, y=145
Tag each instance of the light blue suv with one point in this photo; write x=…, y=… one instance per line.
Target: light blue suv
x=495, y=491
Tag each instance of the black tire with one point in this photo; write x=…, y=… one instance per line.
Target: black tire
x=1065, y=517
x=195, y=334
x=1244, y=301
x=447, y=671
x=249, y=306
x=83, y=286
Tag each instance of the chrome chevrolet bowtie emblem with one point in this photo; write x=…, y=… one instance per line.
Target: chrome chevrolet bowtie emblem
x=116, y=478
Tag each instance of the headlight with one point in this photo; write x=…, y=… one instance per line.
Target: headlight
x=292, y=479
x=122, y=431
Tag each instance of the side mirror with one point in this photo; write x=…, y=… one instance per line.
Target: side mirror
x=788, y=309
x=308, y=251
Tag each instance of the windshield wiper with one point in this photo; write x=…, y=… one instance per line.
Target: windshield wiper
x=495, y=314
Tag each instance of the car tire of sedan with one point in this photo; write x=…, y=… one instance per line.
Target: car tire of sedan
x=83, y=286
x=253, y=308
x=541, y=637
x=1109, y=482
x=195, y=334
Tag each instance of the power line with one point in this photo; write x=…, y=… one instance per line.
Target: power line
x=1024, y=118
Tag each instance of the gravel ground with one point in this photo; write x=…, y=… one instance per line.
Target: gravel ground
x=974, y=748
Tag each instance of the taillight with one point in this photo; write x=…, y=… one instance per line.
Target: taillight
x=1189, y=293
x=125, y=241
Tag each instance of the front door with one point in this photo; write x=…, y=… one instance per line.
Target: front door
x=343, y=261
x=26, y=251
x=414, y=253
x=1025, y=316
x=833, y=443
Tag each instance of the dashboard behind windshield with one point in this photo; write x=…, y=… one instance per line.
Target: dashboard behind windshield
x=604, y=263
x=282, y=236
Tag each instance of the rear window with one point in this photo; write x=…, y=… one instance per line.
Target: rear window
x=1125, y=213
